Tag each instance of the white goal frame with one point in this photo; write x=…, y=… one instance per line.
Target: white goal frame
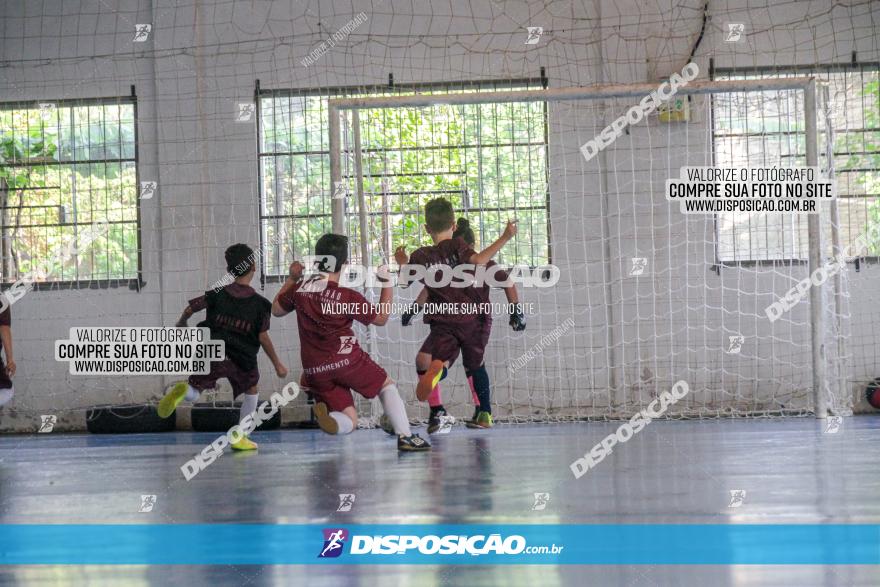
x=822, y=386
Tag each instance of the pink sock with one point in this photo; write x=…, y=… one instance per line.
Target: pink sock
x=473, y=391
x=434, y=398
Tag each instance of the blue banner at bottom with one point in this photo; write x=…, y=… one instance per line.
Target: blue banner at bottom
x=477, y=544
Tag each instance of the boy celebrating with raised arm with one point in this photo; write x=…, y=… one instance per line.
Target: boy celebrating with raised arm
x=333, y=361
x=439, y=417
x=456, y=330
x=239, y=316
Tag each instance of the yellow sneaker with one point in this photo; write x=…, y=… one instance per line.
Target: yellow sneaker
x=245, y=444
x=172, y=399
x=325, y=422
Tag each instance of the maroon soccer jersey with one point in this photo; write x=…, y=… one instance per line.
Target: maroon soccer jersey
x=451, y=252
x=5, y=320
x=235, y=290
x=494, y=274
x=324, y=320
x=236, y=314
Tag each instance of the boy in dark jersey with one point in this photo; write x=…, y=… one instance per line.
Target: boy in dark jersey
x=7, y=371
x=239, y=316
x=452, y=331
x=439, y=417
x=333, y=361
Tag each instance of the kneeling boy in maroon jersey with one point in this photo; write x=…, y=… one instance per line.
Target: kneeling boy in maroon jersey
x=333, y=361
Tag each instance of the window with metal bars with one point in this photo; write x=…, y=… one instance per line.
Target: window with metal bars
x=65, y=168
x=766, y=129
x=489, y=160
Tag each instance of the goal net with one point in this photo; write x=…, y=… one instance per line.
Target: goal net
x=647, y=295
x=188, y=127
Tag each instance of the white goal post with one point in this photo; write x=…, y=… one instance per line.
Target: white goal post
x=566, y=381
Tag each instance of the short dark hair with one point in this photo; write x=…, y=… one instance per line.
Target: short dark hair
x=439, y=214
x=239, y=259
x=334, y=245
x=464, y=231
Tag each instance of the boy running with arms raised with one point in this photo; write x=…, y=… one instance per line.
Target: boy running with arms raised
x=453, y=331
x=482, y=402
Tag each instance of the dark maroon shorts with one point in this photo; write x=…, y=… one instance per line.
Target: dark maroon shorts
x=240, y=379
x=333, y=383
x=448, y=338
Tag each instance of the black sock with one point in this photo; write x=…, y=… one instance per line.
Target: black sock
x=435, y=409
x=481, y=386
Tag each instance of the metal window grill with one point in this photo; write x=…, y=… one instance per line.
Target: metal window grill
x=748, y=133
x=489, y=160
x=66, y=166
x=682, y=255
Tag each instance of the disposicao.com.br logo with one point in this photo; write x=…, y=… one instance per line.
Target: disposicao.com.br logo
x=334, y=541
x=450, y=544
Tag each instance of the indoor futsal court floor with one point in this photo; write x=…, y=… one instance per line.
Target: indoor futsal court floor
x=673, y=472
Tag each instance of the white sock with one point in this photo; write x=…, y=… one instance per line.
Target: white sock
x=248, y=406
x=394, y=409
x=6, y=395
x=345, y=423
x=192, y=394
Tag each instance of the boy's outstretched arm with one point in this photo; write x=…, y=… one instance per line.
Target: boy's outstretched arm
x=401, y=256
x=6, y=337
x=517, y=318
x=486, y=254
x=187, y=314
x=384, y=302
x=269, y=349
x=294, y=276
x=416, y=307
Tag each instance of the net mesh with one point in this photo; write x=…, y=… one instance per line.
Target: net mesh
x=644, y=298
x=219, y=111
